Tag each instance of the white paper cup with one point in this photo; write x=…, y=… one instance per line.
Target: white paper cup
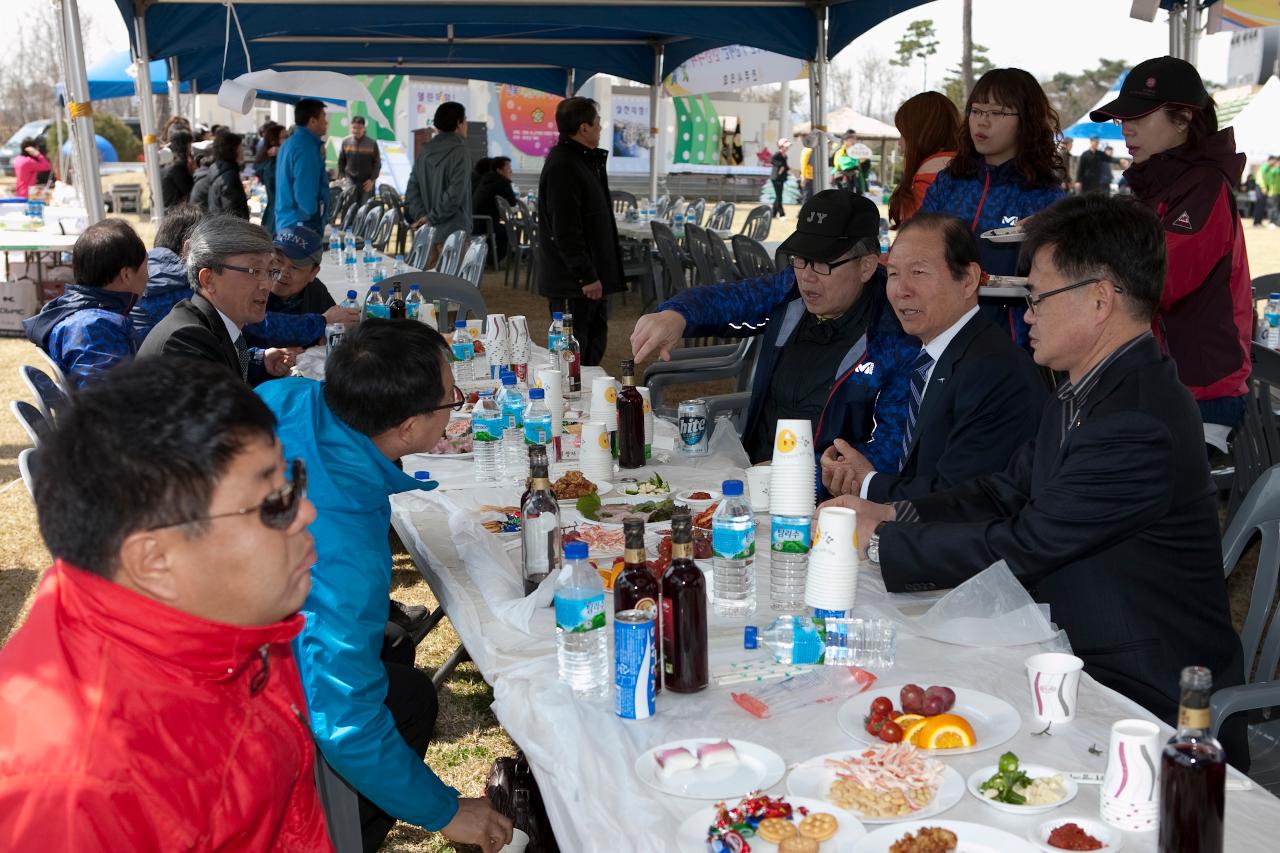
x=1054, y=681
x=595, y=441
x=793, y=443
x=835, y=536
x=1129, y=798
x=519, y=841
x=604, y=394
x=758, y=485
x=475, y=328
x=648, y=414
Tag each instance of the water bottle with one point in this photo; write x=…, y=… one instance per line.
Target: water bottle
x=487, y=425
x=349, y=264
x=370, y=259
x=375, y=308
x=537, y=418
x=789, y=538
x=582, y=652
x=349, y=241
x=399, y=266
x=335, y=246
x=464, y=352
x=351, y=301
x=1272, y=316
x=733, y=549
x=513, y=450
x=422, y=476
x=677, y=226
x=413, y=303
x=794, y=639
x=884, y=237
x=378, y=274
x=555, y=335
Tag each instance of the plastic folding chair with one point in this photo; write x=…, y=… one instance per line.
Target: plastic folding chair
x=451, y=253
x=26, y=467
x=381, y=234
x=722, y=258
x=622, y=201
x=420, y=253
x=752, y=258
x=59, y=378
x=1265, y=285
x=33, y=423
x=674, y=262
x=50, y=399
x=700, y=250
x=693, y=212
x=341, y=806
x=759, y=220
x=472, y=266
x=449, y=292
x=721, y=218
x=368, y=225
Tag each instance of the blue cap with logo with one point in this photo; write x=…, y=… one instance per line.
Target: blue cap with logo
x=300, y=244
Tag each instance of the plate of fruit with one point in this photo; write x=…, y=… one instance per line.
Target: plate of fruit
x=940, y=719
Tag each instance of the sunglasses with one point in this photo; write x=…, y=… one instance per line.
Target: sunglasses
x=277, y=511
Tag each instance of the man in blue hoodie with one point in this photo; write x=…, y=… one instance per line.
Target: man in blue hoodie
x=87, y=330
x=302, y=185
x=388, y=392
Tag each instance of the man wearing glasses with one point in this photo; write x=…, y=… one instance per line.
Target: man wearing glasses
x=150, y=702
x=833, y=352
x=1108, y=515
x=231, y=264
x=300, y=304
x=388, y=392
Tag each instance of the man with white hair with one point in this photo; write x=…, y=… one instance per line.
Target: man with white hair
x=778, y=175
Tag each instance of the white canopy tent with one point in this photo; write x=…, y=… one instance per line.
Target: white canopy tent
x=1257, y=126
x=839, y=121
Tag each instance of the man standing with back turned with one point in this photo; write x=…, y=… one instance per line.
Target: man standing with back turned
x=439, y=191
x=302, y=184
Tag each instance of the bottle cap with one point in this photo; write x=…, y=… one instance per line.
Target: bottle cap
x=628, y=367
x=731, y=488
x=508, y=378
x=750, y=637
x=575, y=550
x=557, y=315
x=351, y=294
x=1275, y=296
x=459, y=324
x=485, y=394
x=375, y=287
x=413, y=287
x=422, y=475
x=537, y=394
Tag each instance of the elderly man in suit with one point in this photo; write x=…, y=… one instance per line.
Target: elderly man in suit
x=975, y=396
x=1108, y=514
x=231, y=264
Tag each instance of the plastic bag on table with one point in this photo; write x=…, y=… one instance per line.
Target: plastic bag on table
x=822, y=685
x=725, y=449
x=992, y=608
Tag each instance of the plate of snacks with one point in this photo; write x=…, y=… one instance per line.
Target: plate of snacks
x=654, y=487
x=1076, y=833
x=709, y=768
x=941, y=719
x=574, y=485
x=499, y=519
x=784, y=824
x=1022, y=788
x=881, y=784
x=698, y=500
x=941, y=836
x=456, y=441
x=601, y=541
x=614, y=512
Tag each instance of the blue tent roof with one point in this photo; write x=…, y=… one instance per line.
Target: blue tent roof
x=1106, y=130
x=113, y=77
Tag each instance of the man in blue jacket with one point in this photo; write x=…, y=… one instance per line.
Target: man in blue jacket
x=833, y=351
x=388, y=392
x=302, y=185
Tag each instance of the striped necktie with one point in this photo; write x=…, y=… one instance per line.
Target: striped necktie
x=242, y=352
x=919, y=378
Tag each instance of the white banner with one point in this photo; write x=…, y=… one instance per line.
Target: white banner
x=629, y=151
x=733, y=67
x=426, y=95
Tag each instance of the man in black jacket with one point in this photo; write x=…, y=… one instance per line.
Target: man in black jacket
x=1093, y=174
x=1108, y=514
x=778, y=170
x=578, y=259
x=359, y=161
x=976, y=397
x=494, y=183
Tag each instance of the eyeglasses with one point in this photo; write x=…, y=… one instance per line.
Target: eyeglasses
x=255, y=273
x=1033, y=302
x=459, y=399
x=976, y=113
x=820, y=267
x=278, y=510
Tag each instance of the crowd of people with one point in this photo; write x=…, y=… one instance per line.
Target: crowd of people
x=232, y=590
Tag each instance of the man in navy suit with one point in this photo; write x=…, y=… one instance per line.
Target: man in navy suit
x=1108, y=514
x=976, y=397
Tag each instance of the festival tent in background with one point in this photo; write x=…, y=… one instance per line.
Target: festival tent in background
x=1108, y=133
x=115, y=76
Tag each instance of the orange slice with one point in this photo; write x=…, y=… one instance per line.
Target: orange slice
x=907, y=719
x=911, y=731
x=945, y=731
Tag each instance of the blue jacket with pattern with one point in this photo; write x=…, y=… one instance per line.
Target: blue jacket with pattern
x=86, y=331
x=867, y=406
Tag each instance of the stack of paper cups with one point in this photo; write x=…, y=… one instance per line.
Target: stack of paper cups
x=520, y=343
x=496, y=338
x=604, y=402
x=594, y=458
x=552, y=382
x=648, y=421
x=1130, y=798
x=832, y=583
x=793, y=474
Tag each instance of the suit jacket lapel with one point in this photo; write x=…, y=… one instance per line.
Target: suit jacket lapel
x=219, y=329
x=935, y=390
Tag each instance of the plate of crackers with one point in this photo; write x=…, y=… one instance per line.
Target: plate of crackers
x=885, y=784
x=768, y=824
x=942, y=836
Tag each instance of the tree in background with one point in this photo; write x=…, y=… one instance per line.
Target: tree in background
x=31, y=66
x=1072, y=94
x=122, y=138
x=879, y=86
x=953, y=84
x=918, y=42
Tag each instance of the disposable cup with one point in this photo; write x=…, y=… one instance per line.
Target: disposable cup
x=758, y=486
x=474, y=328
x=1054, y=681
x=595, y=440
x=648, y=414
x=835, y=535
x=1129, y=797
x=519, y=841
x=793, y=443
x=604, y=394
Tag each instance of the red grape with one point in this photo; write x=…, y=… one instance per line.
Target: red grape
x=912, y=697
x=932, y=706
x=946, y=694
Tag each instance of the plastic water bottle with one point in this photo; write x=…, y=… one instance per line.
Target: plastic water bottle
x=537, y=418
x=464, y=352
x=884, y=237
x=375, y=307
x=349, y=264
x=413, y=303
x=399, y=266
x=378, y=274
x=677, y=226
x=513, y=406
x=351, y=301
x=733, y=549
x=1272, y=316
x=555, y=334
x=335, y=246
x=349, y=241
x=370, y=259
x=582, y=648
x=487, y=425
x=794, y=639
x=789, y=539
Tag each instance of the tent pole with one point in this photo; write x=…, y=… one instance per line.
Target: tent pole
x=818, y=106
x=147, y=101
x=175, y=87
x=80, y=110
x=568, y=86
x=658, y=50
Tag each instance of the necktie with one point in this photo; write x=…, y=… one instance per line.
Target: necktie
x=919, y=378
x=242, y=352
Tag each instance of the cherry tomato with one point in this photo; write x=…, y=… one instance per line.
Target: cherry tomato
x=891, y=732
x=876, y=724
x=882, y=706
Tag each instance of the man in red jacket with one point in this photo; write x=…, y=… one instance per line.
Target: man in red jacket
x=151, y=701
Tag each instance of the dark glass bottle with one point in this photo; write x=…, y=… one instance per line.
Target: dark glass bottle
x=537, y=452
x=1193, y=774
x=636, y=587
x=395, y=303
x=630, y=420
x=683, y=613
x=539, y=527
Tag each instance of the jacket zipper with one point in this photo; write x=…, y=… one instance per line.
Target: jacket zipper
x=259, y=680
x=982, y=200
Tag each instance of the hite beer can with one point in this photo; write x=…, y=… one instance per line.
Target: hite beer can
x=691, y=418
x=634, y=666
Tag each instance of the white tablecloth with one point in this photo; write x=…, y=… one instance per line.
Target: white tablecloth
x=583, y=754
x=639, y=230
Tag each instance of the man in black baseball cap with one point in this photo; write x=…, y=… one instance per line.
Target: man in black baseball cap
x=1154, y=84
x=299, y=305
x=831, y=350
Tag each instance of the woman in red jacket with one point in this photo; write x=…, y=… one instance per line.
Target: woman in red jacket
x=929, y=123
x=1185, y=169
x=28, y=165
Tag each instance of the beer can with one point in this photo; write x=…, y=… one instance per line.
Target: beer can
x=334, y=336
x=691, y=417
x=634, y=664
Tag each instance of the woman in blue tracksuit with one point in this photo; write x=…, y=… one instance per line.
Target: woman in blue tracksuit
x=1006, y=168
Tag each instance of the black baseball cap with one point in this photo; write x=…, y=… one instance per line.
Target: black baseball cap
x=831, y=223
x=1153, y=84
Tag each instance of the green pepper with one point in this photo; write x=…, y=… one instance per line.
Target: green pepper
x=1008, y=762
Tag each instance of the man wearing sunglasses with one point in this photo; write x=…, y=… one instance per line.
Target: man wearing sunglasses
x=832, y=350
x=1108, y=515
x=388, y=392
x=151, y=700
x=231, y=264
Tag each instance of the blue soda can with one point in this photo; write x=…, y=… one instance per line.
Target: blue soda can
x=634, y=666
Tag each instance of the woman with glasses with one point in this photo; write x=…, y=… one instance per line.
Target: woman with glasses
x=1186, y=170
x=1006, y=168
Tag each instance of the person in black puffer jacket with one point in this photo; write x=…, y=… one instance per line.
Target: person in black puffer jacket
x=226, y=192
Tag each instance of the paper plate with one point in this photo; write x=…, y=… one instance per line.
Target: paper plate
x=691, y=837
x=1035, y=771
x=813, y=779
x=757, y=769
x=602, y=488
x=994, y=720
x=1005, y=235
x=972, y=837
x=468, y=455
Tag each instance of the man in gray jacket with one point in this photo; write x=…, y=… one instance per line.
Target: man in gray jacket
x=440, y=186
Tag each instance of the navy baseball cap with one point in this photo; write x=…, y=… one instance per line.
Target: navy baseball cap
x=1152, y=85
x=300, y=244
x=831, y=223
